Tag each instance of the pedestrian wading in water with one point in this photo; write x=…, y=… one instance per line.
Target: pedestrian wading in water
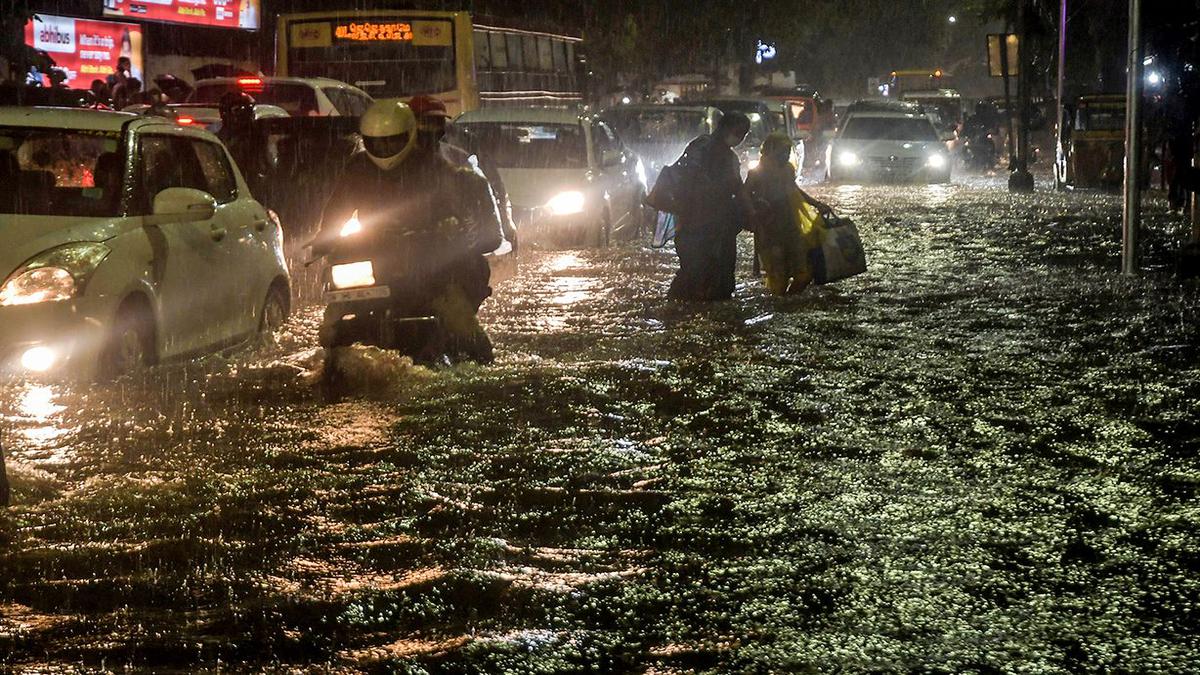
x=784, y=232
x=714, y=210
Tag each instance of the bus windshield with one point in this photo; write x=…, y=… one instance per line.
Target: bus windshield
x=1100, y=119
x=384, y=56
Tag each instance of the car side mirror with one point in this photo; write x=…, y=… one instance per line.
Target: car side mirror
x=947, y=135
x=182, y=205
x=611, y=157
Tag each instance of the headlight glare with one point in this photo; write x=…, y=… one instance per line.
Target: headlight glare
x=40, y=284
x=38, y=359
x=351, y=227
x=57, y=274
x=848, y=158
x=566, y=203
x=936, y=161
x=353, y=275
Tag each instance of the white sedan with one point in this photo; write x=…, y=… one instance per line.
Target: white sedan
x=127, y=240
x=566, y=174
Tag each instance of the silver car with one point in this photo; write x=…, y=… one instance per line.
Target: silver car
x=892, y=143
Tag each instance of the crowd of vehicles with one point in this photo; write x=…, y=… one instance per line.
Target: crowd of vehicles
x=134, y=238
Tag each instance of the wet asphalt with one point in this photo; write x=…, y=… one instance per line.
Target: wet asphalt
x=980, y=456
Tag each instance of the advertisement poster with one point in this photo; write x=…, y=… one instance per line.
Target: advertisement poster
x=85, y=49
x=243, y=14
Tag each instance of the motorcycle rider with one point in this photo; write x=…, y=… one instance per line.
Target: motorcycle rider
x=401, y=174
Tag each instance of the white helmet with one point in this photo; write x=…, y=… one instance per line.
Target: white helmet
x=389, y=132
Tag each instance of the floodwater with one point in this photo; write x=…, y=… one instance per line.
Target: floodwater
x=981, y=456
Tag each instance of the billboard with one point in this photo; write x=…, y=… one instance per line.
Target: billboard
x=85, y=49
x=242, y=14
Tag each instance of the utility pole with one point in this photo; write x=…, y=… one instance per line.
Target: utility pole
x=1020, y=179
x=4, y=491
x=1132, y=215
x=1062, y=71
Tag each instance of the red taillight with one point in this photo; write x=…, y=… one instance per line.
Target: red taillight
x=185, y=120
x=250, y=81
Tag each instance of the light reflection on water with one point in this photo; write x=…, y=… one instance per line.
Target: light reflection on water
x=37, y=413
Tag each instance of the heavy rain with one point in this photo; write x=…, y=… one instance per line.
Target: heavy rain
x=980, y=455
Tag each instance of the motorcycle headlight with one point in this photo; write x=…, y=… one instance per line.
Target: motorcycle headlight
x=351, y=227
x=54, y=275
x=752, y=165
x=566, y=203
x=848, y=158
x=353, y=275
x=936, y=161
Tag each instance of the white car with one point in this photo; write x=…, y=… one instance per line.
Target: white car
x=888, y=142
x=566, y=173
x=204, y=115
x=127, y=240
x=299, y=96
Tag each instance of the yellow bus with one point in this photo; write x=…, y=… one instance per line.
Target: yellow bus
x=402, y=53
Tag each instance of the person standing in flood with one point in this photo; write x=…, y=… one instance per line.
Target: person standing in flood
x=715, y=208
x=780, y=236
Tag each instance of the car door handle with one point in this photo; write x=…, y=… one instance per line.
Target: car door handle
x=217, y=232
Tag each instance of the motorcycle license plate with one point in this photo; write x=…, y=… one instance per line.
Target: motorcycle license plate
x=352, y=294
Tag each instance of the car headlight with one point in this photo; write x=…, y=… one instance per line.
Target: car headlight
x=353, y=275
x=936, y=161
x=566, y=203
x=848, y=158
x=54, y=275
x=351, y=227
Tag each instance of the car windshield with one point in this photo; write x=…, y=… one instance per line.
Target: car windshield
x=296, y=99
x=890, y=129
x=521, y=145
x=658, y=126
x=60, y=172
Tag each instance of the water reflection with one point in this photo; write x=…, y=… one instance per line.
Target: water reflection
x=36, y=414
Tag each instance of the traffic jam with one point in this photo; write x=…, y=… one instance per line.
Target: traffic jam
x=366, y=339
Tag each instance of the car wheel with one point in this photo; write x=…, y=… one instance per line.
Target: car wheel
x=274, y=313
x=131, y=341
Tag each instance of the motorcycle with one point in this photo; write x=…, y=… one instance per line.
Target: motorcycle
x=979, y=151
x=379, y=285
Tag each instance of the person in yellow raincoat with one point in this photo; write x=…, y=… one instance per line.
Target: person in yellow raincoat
x=785, y=219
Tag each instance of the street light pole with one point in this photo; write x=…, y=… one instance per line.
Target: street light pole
x=1062, y=63
x=1020, y=179
x=1132, y=214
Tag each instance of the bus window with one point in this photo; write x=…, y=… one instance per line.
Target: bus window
x=529, y=52
x=560, y=56
x=499, y=50
x=483, y=52
x=545, y=56
x=514, y=51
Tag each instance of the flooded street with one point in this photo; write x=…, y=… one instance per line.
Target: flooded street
x=981, y=456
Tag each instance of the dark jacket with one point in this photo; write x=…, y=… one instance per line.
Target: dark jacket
x=714, y=183
x=425, y=193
